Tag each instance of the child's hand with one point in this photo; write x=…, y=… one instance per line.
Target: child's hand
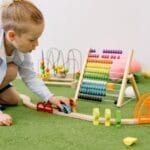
x=5, y=119
x=59, y=100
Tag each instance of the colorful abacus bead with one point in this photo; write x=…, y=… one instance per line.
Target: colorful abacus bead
x=92, y=50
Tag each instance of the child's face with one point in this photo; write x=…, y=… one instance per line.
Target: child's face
x=26, y=42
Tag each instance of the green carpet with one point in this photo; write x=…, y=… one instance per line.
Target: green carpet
x=43, y=131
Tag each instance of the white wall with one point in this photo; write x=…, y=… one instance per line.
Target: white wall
x=96, y=23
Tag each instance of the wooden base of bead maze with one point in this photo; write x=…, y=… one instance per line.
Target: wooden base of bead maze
x=126, y=76
x=72, y=83
x=67, y=81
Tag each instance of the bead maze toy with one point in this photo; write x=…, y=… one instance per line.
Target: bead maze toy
x=98, y=79
x=44, y=72
x=55, y=70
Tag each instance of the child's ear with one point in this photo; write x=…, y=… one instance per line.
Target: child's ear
x=11, y=35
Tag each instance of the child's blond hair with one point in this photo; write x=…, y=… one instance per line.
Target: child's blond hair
x=16, y=13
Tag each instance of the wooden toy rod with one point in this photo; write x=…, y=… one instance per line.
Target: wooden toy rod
x=125, y=77
x=128, y=121
x=81, y=77
x=135, y=88
x=73, y=83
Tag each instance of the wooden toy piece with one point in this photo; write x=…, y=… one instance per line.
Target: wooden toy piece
x=45, y=107
x=81, y=77
x=72, y=105
x=66, y=109
x=75, y=115
x=125, y=77
x=96, y=72
x=118, y=118
x=46, y=74
x=42, y=63
x=107, y=117
x=42, y=67
x=134, y=85
x=130, y=121
x=96, y=115
x=65, y=82
x=61, y=72
x=129, y=141
x=27, y=101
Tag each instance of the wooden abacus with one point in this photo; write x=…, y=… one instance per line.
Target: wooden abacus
x=94, y=80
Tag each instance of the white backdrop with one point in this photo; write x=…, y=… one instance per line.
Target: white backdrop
x=96, y=23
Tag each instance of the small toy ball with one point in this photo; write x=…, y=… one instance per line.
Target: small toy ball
x=135, y=66
x=129, y=141
x=129, y=92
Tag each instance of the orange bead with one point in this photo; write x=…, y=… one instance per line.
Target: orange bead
x=110, y=86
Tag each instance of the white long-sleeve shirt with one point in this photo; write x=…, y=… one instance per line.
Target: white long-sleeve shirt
x=26, y=70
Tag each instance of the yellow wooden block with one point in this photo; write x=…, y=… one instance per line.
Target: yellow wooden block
x=129, y=140
x=107, y=117
x=96, y=115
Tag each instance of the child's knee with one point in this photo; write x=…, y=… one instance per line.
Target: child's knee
x=12, y=70
x=14, y=100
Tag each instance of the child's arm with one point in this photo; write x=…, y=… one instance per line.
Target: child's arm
x=30, y=78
